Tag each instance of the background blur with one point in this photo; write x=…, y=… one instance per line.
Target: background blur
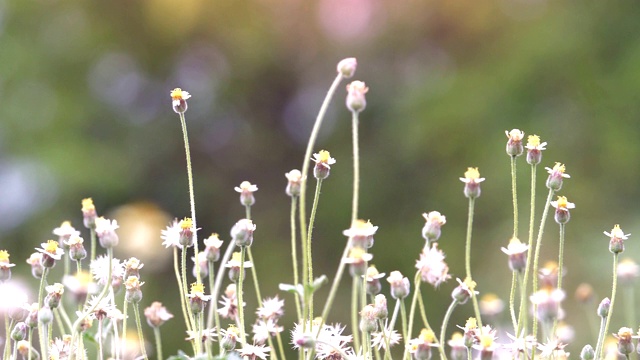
x=86, y=113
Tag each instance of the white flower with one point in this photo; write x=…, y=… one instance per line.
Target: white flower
x=100, y=269
x=272, y=308
x=432, y=267
x=171, y=235
x=379, y=339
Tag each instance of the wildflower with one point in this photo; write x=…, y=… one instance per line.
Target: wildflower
x=75, y=244
x=379, y=339
x=587, y=353
x=61, y=348
x=616, y=244
x=54, y=294
x=65, y=231
x=171, y=235
x=432, y=267
x=103, y=308
x=242, y=232
x=420, y=347
x=464, y=291
x=323, y=162
x=212, y=246
x=456, y=343
x=5, y=266
x=197, y=298
x=89, y=213
x=203, y=265
x=229, y=302
x=491, y=305
x=514, y=145
x=565, y=332
x=472, y=182
x=207, y=335
x=548, y=304
x=400, y=285
x=301, y=339
x=562, y=206
x=368, y=320
x=431, y=230
x=554, y=181
x=628, y=271
x=347, y=67
x=179, y=99
x=157, y=314
x=255, y=351
x=133, y=293
x=50, y=253
x=23, y=348
x=356, y=101
x=264, y=329
x=517, y=252
x=132, y=267
x=624, y=337
x=553, y=349
x=470, y=329
x=604, y=307
x=548, y=275
x=361, y=234
x=534, y=149
x=106, y=232
x=79, y=285
x=380, y=306
x=35, y=260
x=186, y=232
x=45, y=315
x=331, y=343
x=32, y=317
x=373, y=280
x=246, y=190
x=521, y=345
x=486, y=342
x=272, y=308
x=19, y=331
x=294, y=178
x=234, y=266
x=229, y=337
x=357, y=261
x=100, y=270
x=18, y=308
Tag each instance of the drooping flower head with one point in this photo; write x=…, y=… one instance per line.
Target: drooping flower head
x=356, y=100
x=347, y=67
x=323, y=162
x=556, y=176
x=514, y=144
x=472, y=182
x=562, y=207
x=534, y=149
x=179, y=99
x=616, y=244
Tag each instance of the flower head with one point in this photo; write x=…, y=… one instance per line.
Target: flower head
x=517, y=252
x=272, y=308
x=197, y=298
x=356, y=100
x=255, y=351
x=628, y=271
x=432, y=267
x=534, y=149
x=486, y=339
x=431, y=230
x=179, y=100
x=514, y=144
x=562, y=207
x=65, y=231
x=212, y=246
x=323, y=162
x=242, y=232
x=89, y=213
x=400, y=285
x=347, y=67
x=246, y=190
x=361, y=233
x=556, y=175
x=472, y=182
x=420, y=347
x=379, y=339
x=464, y=290
x=106, y=232
x=357, y=260
x=616, y=244
x=157, y=314
x=133, y=293
x=171, y=235
x=373, y=277
x=5, y=266
x=51, y=252
x=294, y=178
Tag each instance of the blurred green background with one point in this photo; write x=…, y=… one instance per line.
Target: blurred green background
x=86, y=113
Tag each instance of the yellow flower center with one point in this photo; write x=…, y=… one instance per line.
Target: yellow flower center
x=176, y=94
x=625, y=333
x=132, y=282
x=236, y=257
x=471, y=323
x=87, y=205
x=372, y=271
x=472, y=174
x=558, y=167
x=490, y=297
x=457, y=336
x=533, y=141
x=516, y=135
x=356, y=253
x=197, y=288
x=186, y=224
x=486, y=341
x=324, y=156
x=470, y=283
x=427, y=336
x=562, y=202
x=4, y=256
x=51, y=247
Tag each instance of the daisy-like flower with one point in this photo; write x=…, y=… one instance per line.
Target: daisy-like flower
x=263, y=329
x=556, y=176
x=379, y=339
x=246, y=190
x=432, y=267
x=294, y=181
x=132, y=267
x=323, y=162
x=470, y=331
x=255, y=351
x=35, y=260
x=361, y=234
x=331, y=343
x=562, y=207
x=106, y=232
x=171, y=235
x=628, y=271
x=431, y=230
x=103, y=308
x=456, y=343
x=207, y=335
x=625, y=337
x=514, y=144
x=230, y=337
x=616, y=244
x=89, y=213
x=54, y=294
x=61, y=349
x=534, y=149
x=234, y=266
x=553, y=349
x=80, y=285
x=420, y=347
x=400, y=285
x=472, y=182
x=133, y=293
x=373, y=280
x=521, y=345
x=486, y=341
x=356, y=100
x=51, y=252
x=5, y=266
x=272, y=308
x=65, y=231
x=465, y=289
x=75, y=244
x=179, y=99
x=357, y=261
x=548, y=302
x=242, y=232
x=517, y=252
x=203, y=265
x=229, y=302
x=212, y=246
x=157, y=314
x=491, y=305
x=100, y=270
x=197, y=298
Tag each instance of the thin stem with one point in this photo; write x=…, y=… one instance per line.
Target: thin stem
x=136, y=311
x=394, y=317
x=614, y=289
x=522, y=314
x=125, y=310
x=294, y=255
x=156, y=335
x=445, y=322
x=356, y=166
x=601, y=335
x=41, y=328
x=221, y=271
x=29, y=356
x=100, y=339
x=254, y=273
x=239, y=292
x=423, y=313
x=191, y=320
x=476, y=309
x=512, y=301
x=280, y=346
x=412, y=311
x=213, y=319
x=354, y=313
x=403, y=318
x=334, y=286
x=514, y=191
x=536, y=257
x=7, y=331
x=92, y=231
x=192, y=201
x=183, y=298
x=561, y=256
x=312, y=218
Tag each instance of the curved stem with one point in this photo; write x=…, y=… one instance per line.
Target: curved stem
x=522, y=313
x=512, y=299
x=294, y=255
x=536, y=257
x=221, y=271
x=191, y=319
x=312, y=218
x=474, y=300
x=423, y=313
x=614, y=289
x=445, y=321
x=192, y=201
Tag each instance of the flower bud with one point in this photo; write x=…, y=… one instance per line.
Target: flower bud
x=380, y=305
x=472, y=182
x=517, y=252
x=89, y=213
x=45, y=315
x=432, y=228
x=242, y=232
x=616, y=244
x=625, y=344
x=179, y=100
x=246, y=190
x=356, y=100
x=347, y=67
x=587, y=353
x=294, y=178
x=323, y=162
x=19, y=331
x=556, y=175
x=462, y=292
x=106, y=232
x=400, y=285
x=514, y=144
x=368, y=321
x=603, y=308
